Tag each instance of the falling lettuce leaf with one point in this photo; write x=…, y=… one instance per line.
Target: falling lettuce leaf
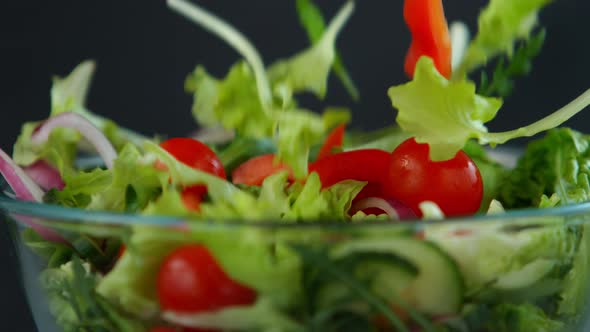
x=312, y=20
x=450, y=115
x=500, y=25
x=309, y=70
x=453, y=113
x=231, y=102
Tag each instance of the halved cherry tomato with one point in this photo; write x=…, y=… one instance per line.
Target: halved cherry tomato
x=369, y=165
x=455, y=185
x=334, y=140
x=255, y=170
x=190, y=280
x=430, y=35
x=198, y=156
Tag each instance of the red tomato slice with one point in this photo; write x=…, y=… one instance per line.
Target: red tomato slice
x=255, y=170
x=455, y=185
x=190, y=281
x=334, y=140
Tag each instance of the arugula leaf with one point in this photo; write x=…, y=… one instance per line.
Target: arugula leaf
x=75, y=304
x=507, y=69
x=308, y=71
x=312, y=21
x=500, y=25
x=453, y=113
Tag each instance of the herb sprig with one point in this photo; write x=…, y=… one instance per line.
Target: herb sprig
x=320, y=271
x=508, y=69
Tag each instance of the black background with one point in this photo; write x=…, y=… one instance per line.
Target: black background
x=144, y=52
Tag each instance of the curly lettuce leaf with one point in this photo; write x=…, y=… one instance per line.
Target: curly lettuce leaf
x=500, y=25
x=130, y=177
x=554, y=166
x=312, y=21
x=442, y=113
x=231, y=102
x=453, y=113
x=309, y=70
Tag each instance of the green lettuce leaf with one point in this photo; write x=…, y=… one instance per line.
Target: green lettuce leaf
x=492, y=250
x=309, y=70
x=453, y=113
x=312, y=21
x=500, y=25
x=521, y=318
x=131, y=177
x=555, y=164
x=231, y=102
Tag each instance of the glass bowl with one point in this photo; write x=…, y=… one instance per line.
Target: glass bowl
x=524, y=270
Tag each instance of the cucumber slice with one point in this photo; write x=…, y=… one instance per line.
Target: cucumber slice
x=389, y=275
x=528, y=275
x=438, y=287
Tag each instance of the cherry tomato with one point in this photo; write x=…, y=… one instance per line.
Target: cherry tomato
x=194, y=154
x=255, y=170
x=455, y=185
x=430, y=35
x=190, y=280
x=369, y=165
x=334, y=140
x=198, y=156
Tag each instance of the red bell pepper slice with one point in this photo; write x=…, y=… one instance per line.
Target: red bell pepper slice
x=370, y=165
x=430, y=35
x=334, y=140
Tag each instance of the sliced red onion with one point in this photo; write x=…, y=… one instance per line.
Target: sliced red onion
x=86, y=128
x=22, y=185
x=45, y=175
x=25, y=189
x=395, y=209
x=213, y=135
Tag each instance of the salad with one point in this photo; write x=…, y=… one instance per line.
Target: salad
x=262, y=159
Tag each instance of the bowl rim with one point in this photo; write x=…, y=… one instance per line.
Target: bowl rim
x=50, y=213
